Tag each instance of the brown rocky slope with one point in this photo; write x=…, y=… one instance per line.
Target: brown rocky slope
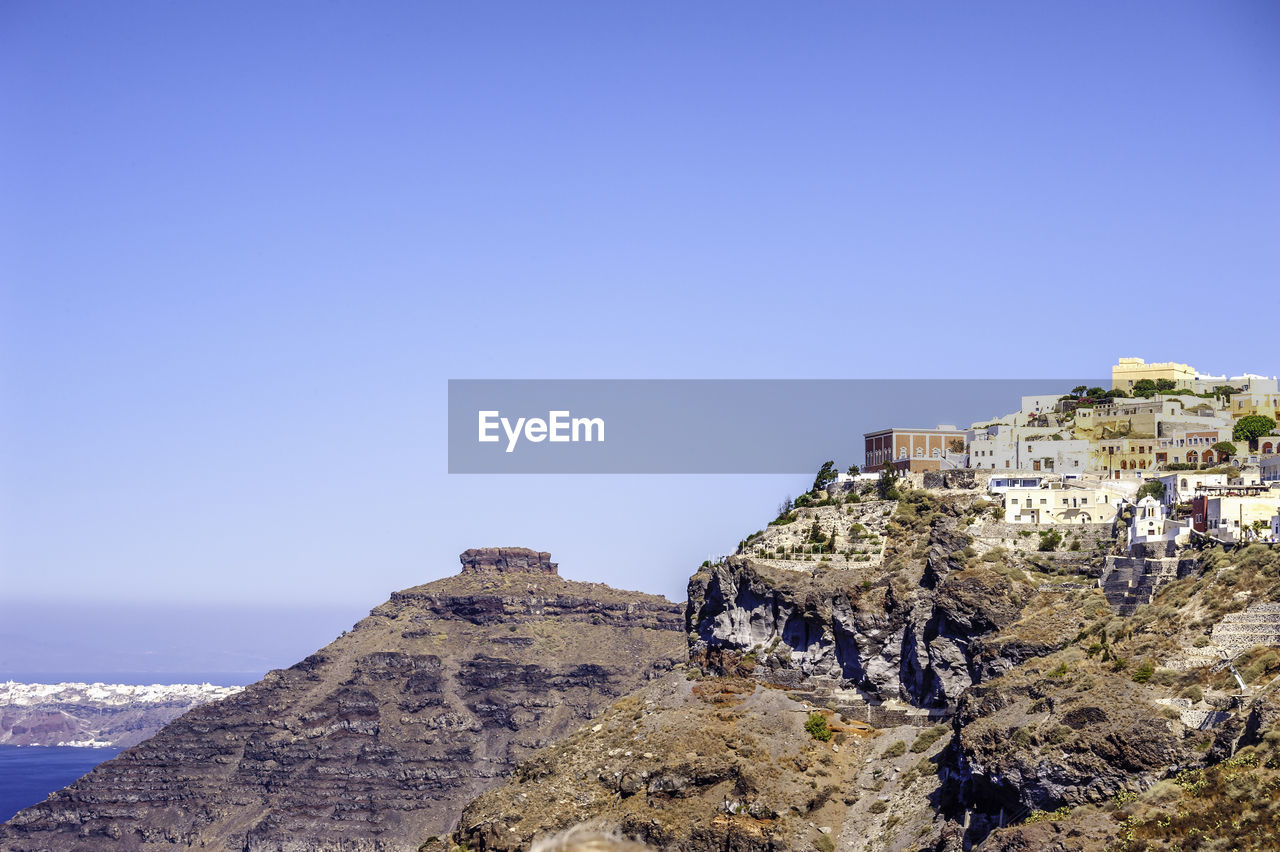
x=380, y=738
x=1014, y=707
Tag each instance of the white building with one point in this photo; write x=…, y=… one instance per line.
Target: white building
x=993, y=448
x=1151, y=524
x=1045, y=403
x=1232, y=517
x=1058, y=503
x=1180, y=485
x=1026, y=448
x=1249, y=383
x=1054, y=456
x=1001, y=484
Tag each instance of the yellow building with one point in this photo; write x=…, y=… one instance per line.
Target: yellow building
x=1266, y=404
x=1125, y=417
x=1116, y=455
x=1128, y=371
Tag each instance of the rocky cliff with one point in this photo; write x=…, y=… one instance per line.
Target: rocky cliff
x=95, y=714
x=981, y=693
x=905, y=632
x=377, y=740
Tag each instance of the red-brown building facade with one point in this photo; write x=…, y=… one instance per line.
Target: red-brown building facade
x=910, y=449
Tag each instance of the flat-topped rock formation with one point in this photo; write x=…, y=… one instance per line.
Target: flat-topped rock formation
x=506, y=560
x=377, y=741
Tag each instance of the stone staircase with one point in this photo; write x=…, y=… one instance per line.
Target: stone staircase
x=1131, y=581
x=1194, y=658
x=1199, y=716
x=1240, y=631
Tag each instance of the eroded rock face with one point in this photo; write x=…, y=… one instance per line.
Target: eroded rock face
x=506, y=560
x=907, y=636
x=1033, y=743
x=378, y=740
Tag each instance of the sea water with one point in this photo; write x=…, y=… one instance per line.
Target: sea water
x=28, y=774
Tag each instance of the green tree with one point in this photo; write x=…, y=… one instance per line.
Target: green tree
x=1224, y=447
x=818, y=728
x=887, y=484
x=1143, y=673
x=1144, y=388
x=1165, y=384
x=853, y=470
x=1153, y=488
x=1079, y=390
x=826, y=475
x=1252, y=427
x=1097, y=393
x=1224, y=391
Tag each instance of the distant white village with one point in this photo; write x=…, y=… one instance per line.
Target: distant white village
x=1192, y=455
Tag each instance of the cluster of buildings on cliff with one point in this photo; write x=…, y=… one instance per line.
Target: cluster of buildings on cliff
x=1083, y=455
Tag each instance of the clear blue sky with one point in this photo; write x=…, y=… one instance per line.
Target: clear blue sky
x=244, y=245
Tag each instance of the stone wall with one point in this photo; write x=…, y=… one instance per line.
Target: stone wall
x=1192, y=716
x=1093, y=539
x=1240, y=631
x=963, y=479
x=1002, y=534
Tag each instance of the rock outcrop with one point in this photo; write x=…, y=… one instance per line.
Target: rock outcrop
x=903, y=633
x=378, y=740
x=713, y=763
x=507, y=560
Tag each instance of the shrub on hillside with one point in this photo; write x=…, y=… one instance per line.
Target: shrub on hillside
x=818, y=728
x=928, y=737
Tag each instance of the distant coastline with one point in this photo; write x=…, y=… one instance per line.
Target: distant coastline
x=95, y=713
x=135, y=678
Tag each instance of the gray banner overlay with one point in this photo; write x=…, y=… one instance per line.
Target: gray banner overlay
x=706, y=425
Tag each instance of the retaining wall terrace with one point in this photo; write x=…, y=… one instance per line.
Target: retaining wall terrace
x=1240, y=631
